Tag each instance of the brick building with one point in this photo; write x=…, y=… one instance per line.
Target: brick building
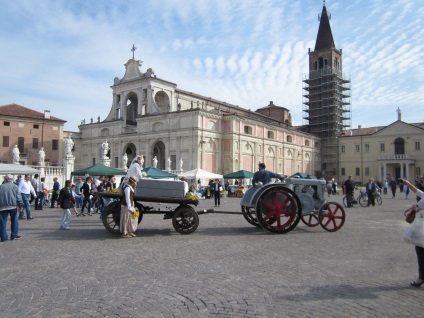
x=30, y=130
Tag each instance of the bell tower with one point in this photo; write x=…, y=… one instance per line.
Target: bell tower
x=326, y=93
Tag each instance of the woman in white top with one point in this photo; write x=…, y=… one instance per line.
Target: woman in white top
x=41, y=187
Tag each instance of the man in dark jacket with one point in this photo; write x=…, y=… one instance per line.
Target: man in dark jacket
x=85, y=193
x=56, y=190
x=264, y=176
x=371, y=189
x=66, y=201
x=393, y=186
x=10, y=198
x=349, y=186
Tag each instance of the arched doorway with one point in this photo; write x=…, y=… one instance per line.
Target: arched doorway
x=131, y=152
x=131, y=109
x=159, y=153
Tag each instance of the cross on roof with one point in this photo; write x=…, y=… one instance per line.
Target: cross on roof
x=133, y=50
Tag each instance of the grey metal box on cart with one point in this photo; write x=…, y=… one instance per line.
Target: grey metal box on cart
x=161, y=188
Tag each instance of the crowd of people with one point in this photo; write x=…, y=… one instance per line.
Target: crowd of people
x=16, y=198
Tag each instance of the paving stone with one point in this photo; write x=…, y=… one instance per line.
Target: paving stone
x=227, y=268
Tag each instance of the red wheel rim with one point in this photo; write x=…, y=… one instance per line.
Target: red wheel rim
x=278, y=208
x=332, y=217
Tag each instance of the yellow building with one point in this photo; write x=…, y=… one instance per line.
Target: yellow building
x=383, y=152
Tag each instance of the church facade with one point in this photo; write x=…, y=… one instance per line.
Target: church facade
x=183, y=130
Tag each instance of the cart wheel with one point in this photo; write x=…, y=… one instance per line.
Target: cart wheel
x=185, y=220
x=278, y=210
x=310, y=220
x=379, y=200
x=331, y=216
x=363, y=201
x=141, y=209
x=111, y=217
x=250, y=215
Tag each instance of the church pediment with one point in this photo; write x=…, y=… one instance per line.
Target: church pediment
x=399, y=128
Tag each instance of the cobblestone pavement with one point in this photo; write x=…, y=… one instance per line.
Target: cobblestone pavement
x=227, y=268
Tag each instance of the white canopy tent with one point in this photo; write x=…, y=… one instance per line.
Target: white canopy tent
x=201, y=174
x=11, y=168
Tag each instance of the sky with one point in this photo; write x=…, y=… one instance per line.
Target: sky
x=63, y=55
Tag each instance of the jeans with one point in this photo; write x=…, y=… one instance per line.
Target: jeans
x=27, y=207
x=14, y=223
x=66, y=219
x=40, y=199
x=86, y=200
x=78, y=201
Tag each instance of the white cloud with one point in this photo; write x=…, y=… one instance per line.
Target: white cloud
x=66, y=54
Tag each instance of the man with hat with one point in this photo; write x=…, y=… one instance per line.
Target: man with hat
x=349, y=189
x=10, y=198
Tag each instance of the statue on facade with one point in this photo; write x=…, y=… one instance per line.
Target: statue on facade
x=399, y=113
x=142, y=162
x=105, y=149
x=41, y=156
x=69, y=144
x=15, y=154
x=169, y=163
x=155, y=162
x=181, y=164
x=125, y=160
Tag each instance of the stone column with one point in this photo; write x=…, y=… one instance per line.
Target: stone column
x=407, y=171
x=68, y=164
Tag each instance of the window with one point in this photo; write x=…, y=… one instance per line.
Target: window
x=260, y=149
x=343, y=171
x=248, y=130
x=357, y=148
x=7, y=123
x=36, y=126
x=55, y=144
x=367, y=172
x=270, y=134
x=289, y=138
x=357, y=172
x=21, y=144
x=367, y=147
x=34, y=143
x=343, y=149
x=307, y=143
x=417, y=171
x=399, y=146
x=382, y=147
x=5, y=141
x=417, y=146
